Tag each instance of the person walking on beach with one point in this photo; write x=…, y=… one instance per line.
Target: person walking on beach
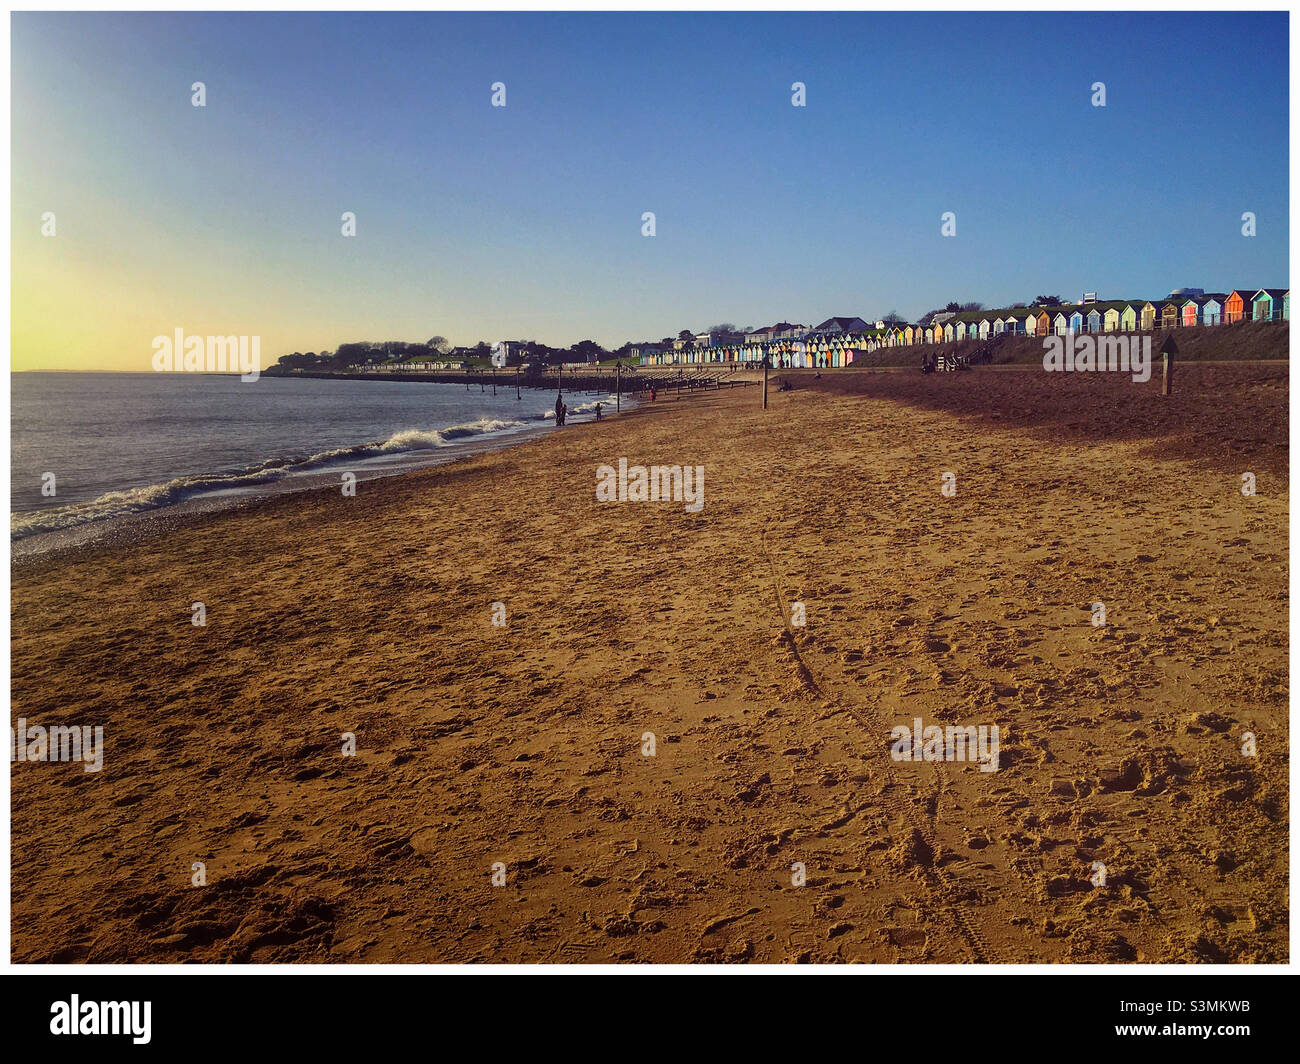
x=598, y=415
x=559, y=411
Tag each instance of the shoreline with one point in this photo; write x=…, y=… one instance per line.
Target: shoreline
x=125, y=527
x=523, y=744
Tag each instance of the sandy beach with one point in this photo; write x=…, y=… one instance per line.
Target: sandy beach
x=520, y=750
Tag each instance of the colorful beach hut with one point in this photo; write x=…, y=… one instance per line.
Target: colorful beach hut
x=1267, y=304
x=1237, y=306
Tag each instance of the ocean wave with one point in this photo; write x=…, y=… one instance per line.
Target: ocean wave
x=584, y=408
x=155, y=496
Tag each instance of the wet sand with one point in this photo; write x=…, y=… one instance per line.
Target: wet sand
x=522, y=746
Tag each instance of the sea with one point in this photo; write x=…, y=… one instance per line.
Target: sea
x=94, y=450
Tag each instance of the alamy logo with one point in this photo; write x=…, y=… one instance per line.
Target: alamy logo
x=179, y=353
x=953, y=743
x=102, y=1017
x=1088, y=353
x=59, y=743
x=659, y=483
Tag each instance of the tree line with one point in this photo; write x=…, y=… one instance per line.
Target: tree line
x=438, y=348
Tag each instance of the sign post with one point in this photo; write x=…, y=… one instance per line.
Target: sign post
x=1168, y=350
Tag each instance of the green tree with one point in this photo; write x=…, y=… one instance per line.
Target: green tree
x=588, y=351
x=350, y=354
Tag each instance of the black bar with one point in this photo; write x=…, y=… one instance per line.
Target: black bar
x=1056, y=1015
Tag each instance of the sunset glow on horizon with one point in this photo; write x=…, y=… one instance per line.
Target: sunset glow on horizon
x=479, y=222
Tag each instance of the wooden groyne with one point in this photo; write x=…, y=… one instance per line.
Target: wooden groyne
x=664, y=380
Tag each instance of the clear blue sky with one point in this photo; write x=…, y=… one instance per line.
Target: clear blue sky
x=481, y=223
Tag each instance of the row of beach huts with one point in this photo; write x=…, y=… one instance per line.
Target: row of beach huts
x=837, y=341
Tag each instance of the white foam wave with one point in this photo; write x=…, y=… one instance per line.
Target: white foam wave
x=154, y=496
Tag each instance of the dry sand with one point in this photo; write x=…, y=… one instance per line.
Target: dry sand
x=523, y=745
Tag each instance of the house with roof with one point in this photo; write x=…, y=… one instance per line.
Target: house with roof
x=649, y=354
x=843, y=325
x=1110, y=314
x=780, y=331
x=1169, y=312
x=1204, y=309
x=1237, y=307
x=1018, y=319
x=1212, y=308
x=1268, y=304
x=967, y=325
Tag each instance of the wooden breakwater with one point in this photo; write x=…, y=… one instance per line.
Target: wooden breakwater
x=664, y=380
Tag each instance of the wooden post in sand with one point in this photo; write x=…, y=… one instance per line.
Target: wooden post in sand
x=1167, y=351
x=618, y=387
x=765, y=382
